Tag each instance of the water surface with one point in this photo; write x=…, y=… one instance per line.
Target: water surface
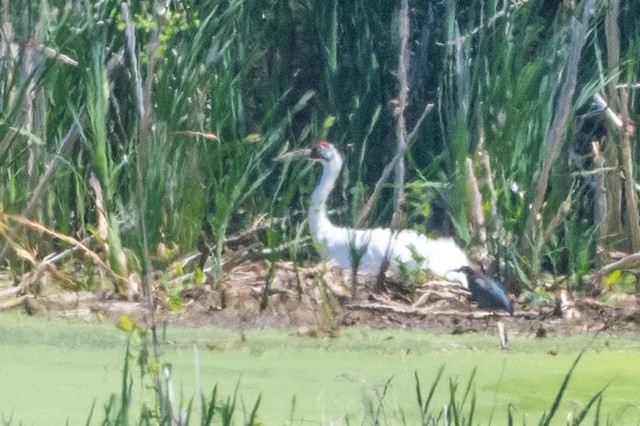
x=52, y=371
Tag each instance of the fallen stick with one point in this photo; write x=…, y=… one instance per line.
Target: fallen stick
x=630, y=261
x=611, y=115
x=426, y=312
x=13, y=303
x=502, y=333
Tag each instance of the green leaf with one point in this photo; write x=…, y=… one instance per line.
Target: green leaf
x=24, y=132
x=125, y=324
x=426, y=210
x=198, y=276
x=328, y=122
x=175, y=304
x=613, y=277
x=303, y=101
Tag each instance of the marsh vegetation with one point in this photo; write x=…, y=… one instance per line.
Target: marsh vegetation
x=137, y=147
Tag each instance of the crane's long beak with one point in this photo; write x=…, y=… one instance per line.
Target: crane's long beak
x=291, y=155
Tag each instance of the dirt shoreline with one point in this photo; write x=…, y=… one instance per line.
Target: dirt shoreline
x=318, y=302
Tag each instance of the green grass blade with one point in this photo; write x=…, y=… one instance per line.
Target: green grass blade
x=585, y=410
x=252, y=418
x=546, y=419
x=424, y=406
x=469, y=386
x=209, y=409
x=381, y=397
x=93, y=406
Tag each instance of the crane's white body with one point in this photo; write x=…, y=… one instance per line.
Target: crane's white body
x=365, y=249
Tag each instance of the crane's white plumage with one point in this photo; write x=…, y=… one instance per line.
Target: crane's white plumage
x=440, y=256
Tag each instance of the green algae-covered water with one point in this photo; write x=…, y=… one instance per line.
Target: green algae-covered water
x=51, y=372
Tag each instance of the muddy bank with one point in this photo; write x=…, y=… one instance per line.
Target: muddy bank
x=319, y=301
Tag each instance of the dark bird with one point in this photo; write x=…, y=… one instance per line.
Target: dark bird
x=486, y=291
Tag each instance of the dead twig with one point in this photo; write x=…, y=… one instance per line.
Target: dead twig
x=502, y=333
x=611, y=115
x=10, y=304
x=78, y=245
x=191, y=133
x=424, y=312
x=628, y=262
x=628, y=86
x=490, y=22
x=259, y=224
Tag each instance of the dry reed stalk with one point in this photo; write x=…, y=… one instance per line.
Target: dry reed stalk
x=535, y=230
x=620, y=100
x=495, y=224
x=600, y=204
x=404, y=139
x=400, y=107
x=57, y=160
x=477, y=214
x=143, y=128
x=401, y=138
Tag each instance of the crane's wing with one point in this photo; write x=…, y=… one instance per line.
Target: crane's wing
x=440, y=255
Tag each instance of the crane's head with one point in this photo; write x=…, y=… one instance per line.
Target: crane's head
x=323, y=152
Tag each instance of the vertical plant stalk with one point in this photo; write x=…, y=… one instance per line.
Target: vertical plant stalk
x=401, y=136
x=613, y=185
x=608, y=213
x=388, y=169
x=600, y=204
x=33, y=109
x=608, y=210
x=143, y=127
x=402, y=140
x=554, y=138
x=63, y=151
x=5, y=11
x=142, y=134
x=98, y=100
x=619, y=98
x=400, y=107
x=495, y=224
x=555, y=221
x=477, y=213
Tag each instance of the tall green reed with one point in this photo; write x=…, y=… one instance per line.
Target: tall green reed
x=502, y=94
x=229, y=84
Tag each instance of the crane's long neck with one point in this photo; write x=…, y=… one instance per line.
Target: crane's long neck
x=318, y=219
